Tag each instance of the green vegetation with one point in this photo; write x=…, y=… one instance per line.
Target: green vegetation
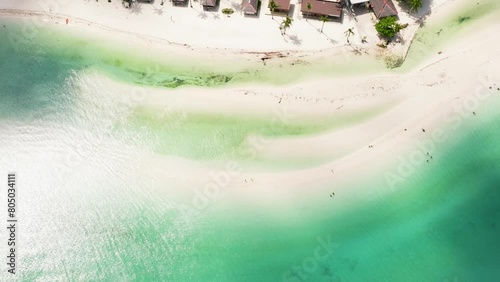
x=309, y=7
x=413, y=5
x=273, y=6
x=348, y=33
x=227, y=11
x=324, y=19
x=388, y=27
x=287, y=23
x=462, y=19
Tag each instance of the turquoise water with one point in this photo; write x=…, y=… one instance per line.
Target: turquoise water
x=113, y=217
x=131, y=64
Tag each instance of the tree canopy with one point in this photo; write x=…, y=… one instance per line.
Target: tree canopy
x=388, y=26
x=413, y=5
x=287, y=23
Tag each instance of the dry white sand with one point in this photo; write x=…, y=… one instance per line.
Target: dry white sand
x=201, y=29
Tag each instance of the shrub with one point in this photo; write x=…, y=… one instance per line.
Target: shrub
x=388, y=27
x=227, y=11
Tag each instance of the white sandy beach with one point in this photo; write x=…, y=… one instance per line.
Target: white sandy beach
x=212, y=29
x=424, y=98
x=421, y=99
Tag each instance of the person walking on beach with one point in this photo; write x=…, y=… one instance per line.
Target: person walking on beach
x=67, y=21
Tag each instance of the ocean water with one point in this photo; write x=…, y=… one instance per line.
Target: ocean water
x=93, y=209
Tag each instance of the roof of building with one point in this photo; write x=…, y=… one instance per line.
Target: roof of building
x=249, y=6
x=282, y=4
x=210, y=3
x=326, y=8
x=354, y=2
x=383, y=8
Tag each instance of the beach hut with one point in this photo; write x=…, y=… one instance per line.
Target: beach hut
x=357, y=2
x=249, y=7
x=283, y=6
x=209, y=4
x=321, y=8
x=383, y=8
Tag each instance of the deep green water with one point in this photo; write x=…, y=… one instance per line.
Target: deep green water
x=111, y=217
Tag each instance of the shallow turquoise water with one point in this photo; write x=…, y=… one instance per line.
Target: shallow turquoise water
x=434, y=34
x=111, y=217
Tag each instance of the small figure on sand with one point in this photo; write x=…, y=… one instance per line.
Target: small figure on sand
x=67, y=21
x=423, y=129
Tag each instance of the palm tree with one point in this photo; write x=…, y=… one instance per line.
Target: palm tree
x=309, y=7
x=273, y=6
x=323, y=19
x=287, y=23
x=415, y=4
x=348, y=33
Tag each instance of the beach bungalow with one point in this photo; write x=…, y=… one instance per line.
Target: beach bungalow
x=249, y=7
x=283, y=6
x=383, y=8
x=321, y=8
x=352, y=3
x=209, y=4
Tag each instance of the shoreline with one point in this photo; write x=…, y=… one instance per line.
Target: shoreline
x=163, y=59
x=416, y=94
x=396, y=171
x=424, y=100
x=242, y=66
x=85, y=19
